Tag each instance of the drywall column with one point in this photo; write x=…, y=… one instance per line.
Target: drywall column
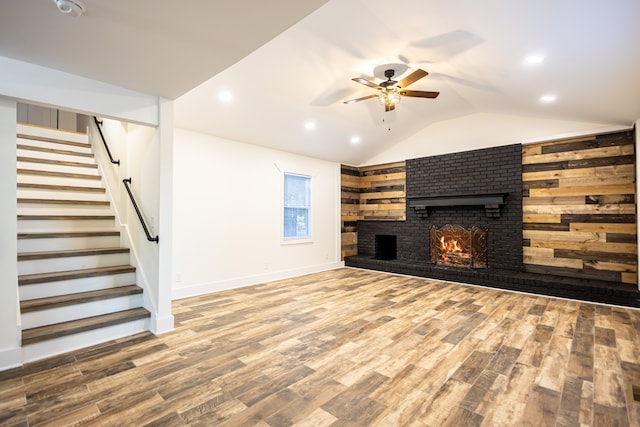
x=10, y=352
x=164, y=318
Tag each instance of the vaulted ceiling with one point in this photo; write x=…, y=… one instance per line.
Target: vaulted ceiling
x=286, y=64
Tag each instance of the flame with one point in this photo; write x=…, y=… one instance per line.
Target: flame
x=449, y=247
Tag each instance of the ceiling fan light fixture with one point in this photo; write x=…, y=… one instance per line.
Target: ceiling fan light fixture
x=72, y=8
x=389, y=96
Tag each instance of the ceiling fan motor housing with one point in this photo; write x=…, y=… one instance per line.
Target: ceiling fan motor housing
x=388, y=74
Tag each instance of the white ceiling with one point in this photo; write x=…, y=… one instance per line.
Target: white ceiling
x=158, y=47
x=473, y=50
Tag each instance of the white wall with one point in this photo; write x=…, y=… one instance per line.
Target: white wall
x=477, y=131
x=227, y=215
x=45, y=86
x=138, y=148
x=10, y=355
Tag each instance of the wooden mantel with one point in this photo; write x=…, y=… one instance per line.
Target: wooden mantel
x=491, y=202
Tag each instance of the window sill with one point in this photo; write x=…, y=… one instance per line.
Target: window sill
x=294, y=241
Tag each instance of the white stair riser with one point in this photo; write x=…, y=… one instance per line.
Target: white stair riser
x=55, y=243
x=36, y=225
x=36, y=193
x=61, y=345
x=51, y=209
x=56, y=180
x=51, y=316
x=54, y=145
x=57, y=168
x=52, y=133
x=50, y=265
x=63, y=287
x=61, y=157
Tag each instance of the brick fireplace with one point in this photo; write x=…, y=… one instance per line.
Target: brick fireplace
x=438, y=194
x=479, y=190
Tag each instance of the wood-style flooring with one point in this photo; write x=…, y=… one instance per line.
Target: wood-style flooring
x=349, y=347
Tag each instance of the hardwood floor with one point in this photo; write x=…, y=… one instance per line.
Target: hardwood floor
x=349, y=347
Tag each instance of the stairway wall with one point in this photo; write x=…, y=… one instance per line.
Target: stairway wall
x=138, y=149
x=9, y=318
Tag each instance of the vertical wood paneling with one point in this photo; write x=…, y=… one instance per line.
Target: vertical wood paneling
x=579, y=207
x=373, y=193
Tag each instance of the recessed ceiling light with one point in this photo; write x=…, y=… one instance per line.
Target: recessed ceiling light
x=355, y=139
x=547, y=98
x=310, y=125
x=225, y=96
x=534, y=59
x=73, y=8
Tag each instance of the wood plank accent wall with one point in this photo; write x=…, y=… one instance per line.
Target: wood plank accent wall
x=383, y=192
x=350, y=209
x=372, y=193
x=579, y=212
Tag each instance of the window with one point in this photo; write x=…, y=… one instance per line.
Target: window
x=297, y=207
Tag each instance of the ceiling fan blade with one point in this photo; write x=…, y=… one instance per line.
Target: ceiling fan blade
x=413, y=77
x=419, y=93
x=365, y=82
x=351, y=101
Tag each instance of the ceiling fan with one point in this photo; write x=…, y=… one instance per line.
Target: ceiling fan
x=390, y=91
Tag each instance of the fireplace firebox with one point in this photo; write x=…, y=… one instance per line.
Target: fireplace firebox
x=455, y=246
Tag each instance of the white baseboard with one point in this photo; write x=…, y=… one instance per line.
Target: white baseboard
x=161, y=325
x=10, y=358
x=223, y=285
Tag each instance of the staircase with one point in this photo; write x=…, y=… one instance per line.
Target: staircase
x=76, y=285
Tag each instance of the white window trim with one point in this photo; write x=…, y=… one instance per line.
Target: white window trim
x=295, y=240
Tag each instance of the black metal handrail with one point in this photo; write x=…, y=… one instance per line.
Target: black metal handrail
x=126, y=182
x=104, y=141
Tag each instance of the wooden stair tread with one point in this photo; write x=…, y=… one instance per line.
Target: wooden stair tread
x=54, y=140
x=62, y=234
x=25, y=256
x=53, y=150
x=61, y=187
x=78, y=298
x=69, y=302
x=64, y=217
x=42, y=333
x=56, y=276
x=66, y=201
x=57, y=162
x=58, y=174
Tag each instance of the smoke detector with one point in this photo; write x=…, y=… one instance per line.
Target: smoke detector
x=73, y=8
